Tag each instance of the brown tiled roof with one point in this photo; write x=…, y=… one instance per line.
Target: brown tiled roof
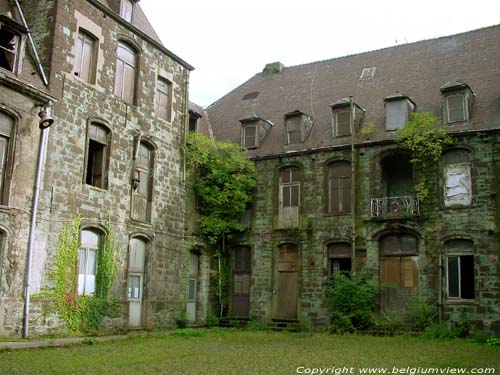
x=417, y=70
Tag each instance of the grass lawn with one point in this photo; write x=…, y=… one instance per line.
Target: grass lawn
x=220, y=351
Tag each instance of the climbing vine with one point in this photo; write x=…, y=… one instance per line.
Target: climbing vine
x=82, y=314
x=426, y=140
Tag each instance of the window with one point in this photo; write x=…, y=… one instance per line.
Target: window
x=137, y=256
x=97, y=156
x=162, y=100
x=398, y=261
x=368, y=73
x=293, y=131
x=458, y=181
x=126, y=10
x=6, y=126
x=289, y=196
x=397, y=111
x=460, y=269
x=339, y=187
x=9, y=48
x=240, y=283
x=456, y=109
x=87, y=261
x=458, y=98
x=193, y=276
x=339, y=258
x=143, y=183
x=250, y=136
x=85, y=57
x=342, y=122
x=125, y=80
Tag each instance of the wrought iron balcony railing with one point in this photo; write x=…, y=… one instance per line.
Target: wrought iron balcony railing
x=394, y=207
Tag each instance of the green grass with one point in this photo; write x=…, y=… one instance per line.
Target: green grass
x=242, y=352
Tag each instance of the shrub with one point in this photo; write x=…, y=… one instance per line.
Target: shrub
x=212, y=321
x=438, y=331
x=421, y=314
x=464, y=326
x=351, y=301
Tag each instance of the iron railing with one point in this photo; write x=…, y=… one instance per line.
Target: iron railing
x=394, y=206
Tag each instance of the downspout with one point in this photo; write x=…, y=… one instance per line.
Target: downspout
x=41, y=159
x=440, y=286
x=32, y=43
x=353, y=188
x=186, y=123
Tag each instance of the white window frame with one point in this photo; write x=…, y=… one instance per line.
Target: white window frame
x=127, y=10
x=368, y=73
x=459, y=256
x=82, y=285
x=464, y=108
x=290, y=184
x=130, y=295
x=244, y=136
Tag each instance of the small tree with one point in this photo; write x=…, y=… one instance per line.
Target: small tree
x=224, y=184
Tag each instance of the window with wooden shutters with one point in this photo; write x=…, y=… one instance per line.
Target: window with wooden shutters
x=250, y=136
x=85, y=61
x=458, y=180
x=339, y=187
x=97, y=156
x=162, y=99
x=398, y=261
x=460, y=269
x=293, y=129
x=87, y=261
x=125, y=80
x=342, y=123
x=143, y=183
x=9, y=48
x=6, y=126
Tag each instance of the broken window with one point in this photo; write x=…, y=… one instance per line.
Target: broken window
x=460, y=269
x=85, y=57
x=143, y=183
x=126, y=65
x=458, y=181
x=9, y=48
x=339, y=187
x=397, y=111
x=97, y=156
x=339, y=258
x=293, y=131
x=87, y=261
x=250, y=136
x=126, y=10
x=162, y=99
x=397, y=175
x=6, y=126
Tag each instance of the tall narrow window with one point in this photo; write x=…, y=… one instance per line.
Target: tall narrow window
x=293, y=129
x=87, y=261
x=97, y=156
x=458, y=181
x=289, y=197
x=240, y=283
x=143, y=183
x=339, y=187
x=456, y=108
x=85, y=57
x=126, y=10
x=460, y=269
x=342, y=120
x=162, y=100
x=6, y=125
x=9, y=48
x=126, y=65
x=250, y=136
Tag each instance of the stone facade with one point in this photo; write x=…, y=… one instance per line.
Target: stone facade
x=94, y=177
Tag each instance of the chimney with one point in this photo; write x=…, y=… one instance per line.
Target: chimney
x=273, y=68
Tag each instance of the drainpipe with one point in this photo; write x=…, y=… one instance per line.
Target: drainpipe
x=353, y=188
x=45, y=122
x=440, y=287
x=186, y=121
x=32, y=43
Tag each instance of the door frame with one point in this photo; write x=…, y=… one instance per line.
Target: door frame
x=274, y=303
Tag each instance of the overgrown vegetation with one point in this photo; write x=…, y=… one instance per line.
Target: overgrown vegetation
x=224, y=185
x=426, y=140
x=82, y=314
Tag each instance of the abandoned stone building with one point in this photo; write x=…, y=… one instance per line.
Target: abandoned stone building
x=336, y=191
x=118, y=100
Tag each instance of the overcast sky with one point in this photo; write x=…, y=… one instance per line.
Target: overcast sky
x=229, y=41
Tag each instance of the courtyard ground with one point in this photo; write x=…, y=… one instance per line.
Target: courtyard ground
x=224, y=351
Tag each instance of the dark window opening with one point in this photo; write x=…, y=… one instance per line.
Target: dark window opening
x=461, y=276
x=95, y=164
x=9, y=42
x=397, y=175
x=193, y=124
x=251, y=95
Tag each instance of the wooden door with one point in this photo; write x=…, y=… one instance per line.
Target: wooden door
x=240, y=282
x=286, y=290
x=135, y=288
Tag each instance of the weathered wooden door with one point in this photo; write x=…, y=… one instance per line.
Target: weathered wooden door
x=192, y=293
x=286, y=289
x=240, y=282
x=135, y=289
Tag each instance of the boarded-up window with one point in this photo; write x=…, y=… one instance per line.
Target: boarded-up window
x=458, y=181
x=339, y=187
x=9, y=48
x=460, y=269
x=342, y=122
x=6, y=125
x=249, y=136
x=126, y=65
x=397, y=113
x=97, y=156
x=87, y=261
x=162, y=99
x=85, y=57
x=456, y=107
x=398, y=261
x=293, y=129
x=143, y=183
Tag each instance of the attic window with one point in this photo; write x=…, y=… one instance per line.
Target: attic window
x=9, y=45
x=457, y=102
x=251, y=95
x=297, y=127
x=126, y=10
x=368, y=73
x=398, y=108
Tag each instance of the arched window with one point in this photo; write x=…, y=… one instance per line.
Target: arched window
x=98, y=146
x=87, y=260
x=457, y=175
x=142, y=192
x=126, y=72
x=6, y=127
x=339, y=187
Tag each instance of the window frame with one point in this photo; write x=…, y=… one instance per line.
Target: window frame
x=106, y=155
x=403, y=258
x=163, y=110
x=464, y=108
x=92, y=61
x=291, y=184
x=126, y=66
x=87, y=249
x=448, y=201
x=19, y=31
x=6, y=160
x=124, y=10
x=336, y=122
x=331, y=177
x=149, y=184
x=299, y=130
x=244, y=136
x=466, y=251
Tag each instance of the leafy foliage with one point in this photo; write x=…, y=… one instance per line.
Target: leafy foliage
x=107, y=264
x=351, y=301
x=426, y=140
x=224, y=184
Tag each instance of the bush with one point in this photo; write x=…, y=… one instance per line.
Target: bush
x=438, y=331
x=351, y=301
x=212, y=321
x=421, y=314
x=464, y=326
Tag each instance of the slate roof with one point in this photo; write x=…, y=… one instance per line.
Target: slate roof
x=417, y=70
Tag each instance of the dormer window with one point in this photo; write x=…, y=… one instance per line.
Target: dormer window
x=398, y=108
x=126, y=9
x=10, y=43
x=458, y=98
x=297, y=127
x=253, y=130
x=341, y=117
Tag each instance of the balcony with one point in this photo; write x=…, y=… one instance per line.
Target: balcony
x=394, y=207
